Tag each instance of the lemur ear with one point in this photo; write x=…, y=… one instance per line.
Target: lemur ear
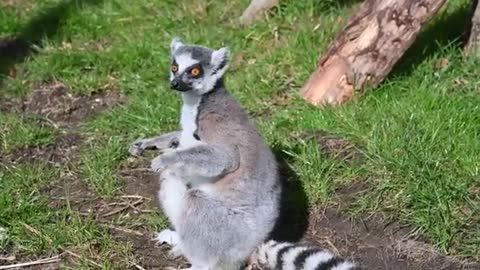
x=175, y=44
x=220, y=58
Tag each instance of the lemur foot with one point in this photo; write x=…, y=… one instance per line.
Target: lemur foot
x=167, y=236
x=172, y=239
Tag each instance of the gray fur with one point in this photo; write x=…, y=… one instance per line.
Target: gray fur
x=197, y=165
x=162, y=143
x=220, y=188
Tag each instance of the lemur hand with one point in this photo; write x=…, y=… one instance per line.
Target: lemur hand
x=137, y=147
x=158, y=164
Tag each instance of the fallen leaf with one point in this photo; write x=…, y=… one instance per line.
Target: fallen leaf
x=441, y=64
x=12, y=72
x=461, y=82
x=238, y=61
x=99, y=46
x=66, y=45
x=251, y=61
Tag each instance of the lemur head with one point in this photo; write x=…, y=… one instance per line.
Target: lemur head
x=196, y=69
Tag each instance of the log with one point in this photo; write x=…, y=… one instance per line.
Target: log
x=255, y=10
x=473, y=44
x=366, y=49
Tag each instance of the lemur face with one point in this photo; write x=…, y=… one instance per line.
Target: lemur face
x=196, y=69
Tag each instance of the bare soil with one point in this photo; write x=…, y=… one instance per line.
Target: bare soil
x=333, y=145
x=375, y=244
x=56, y=103
x=58, y=152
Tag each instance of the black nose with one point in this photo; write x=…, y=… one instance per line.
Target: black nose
x=174, y=84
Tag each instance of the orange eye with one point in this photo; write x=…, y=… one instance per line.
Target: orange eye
x=174, y=68
x=195, y=72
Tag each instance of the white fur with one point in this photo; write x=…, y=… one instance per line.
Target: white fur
x=314, y=260
x=272, y=253
x=175, y=44
x=167, y=236
x=184, y=61
x=171, y=195
x=218, y=57
x=344, y=266
x=259, y=255
x=289, y=258
x=188, y=120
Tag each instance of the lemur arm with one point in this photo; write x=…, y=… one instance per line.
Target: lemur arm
x=205, y=160
x=162, y=142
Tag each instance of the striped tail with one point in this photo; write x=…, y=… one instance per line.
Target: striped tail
x=294, y=256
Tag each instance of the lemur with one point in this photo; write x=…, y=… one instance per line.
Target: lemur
x=219, y=181
x=220, y=186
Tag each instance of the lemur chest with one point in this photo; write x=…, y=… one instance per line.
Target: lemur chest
x=188, y=122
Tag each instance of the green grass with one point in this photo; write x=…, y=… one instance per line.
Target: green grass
x=419, y=130
x=33, y=228
x=99, y=163
x=16, y=132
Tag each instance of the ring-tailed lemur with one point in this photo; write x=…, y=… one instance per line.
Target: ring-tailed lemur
x=219, y=182
x=220, y=186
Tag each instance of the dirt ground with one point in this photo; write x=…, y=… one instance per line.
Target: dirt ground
x=369, y=240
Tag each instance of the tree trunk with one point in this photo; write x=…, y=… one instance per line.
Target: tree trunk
x=473, y=44
x=366, y=49
x=255, y=10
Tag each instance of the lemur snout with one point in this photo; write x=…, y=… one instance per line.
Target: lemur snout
x=174, y=84
x=179, y=85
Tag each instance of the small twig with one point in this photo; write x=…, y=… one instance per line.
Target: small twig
x=134, y=207
x=125, y=230
x=53, y=259
x=134, y=197
x=138, y=266
x=122, y=209
x=83, y=258
x=334, y=248
x=9, y=258
x=35, y=231
x=136, y=170
x=117, y=204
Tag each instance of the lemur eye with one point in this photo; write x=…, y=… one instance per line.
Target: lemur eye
x=174, y=68
x=195, y=72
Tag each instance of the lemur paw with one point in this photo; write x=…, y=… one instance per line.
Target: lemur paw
x=175, y=252
x=137, y=147
x=168, y=237
x=158, y=164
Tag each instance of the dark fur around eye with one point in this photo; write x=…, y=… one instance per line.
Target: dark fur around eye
x=174, y=63
x=197, y=66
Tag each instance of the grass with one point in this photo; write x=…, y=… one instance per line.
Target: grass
x=419, y=130
x=18, y=131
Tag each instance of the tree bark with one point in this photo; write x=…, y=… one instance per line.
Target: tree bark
x=365, y=51
x=255, y=10
x=473, y=44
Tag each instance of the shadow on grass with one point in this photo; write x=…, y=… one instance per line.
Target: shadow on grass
x=17, y=48
x=445, y=30
x=326, y=5
x=293, y=220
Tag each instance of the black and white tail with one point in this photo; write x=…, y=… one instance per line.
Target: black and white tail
x=295, y=256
